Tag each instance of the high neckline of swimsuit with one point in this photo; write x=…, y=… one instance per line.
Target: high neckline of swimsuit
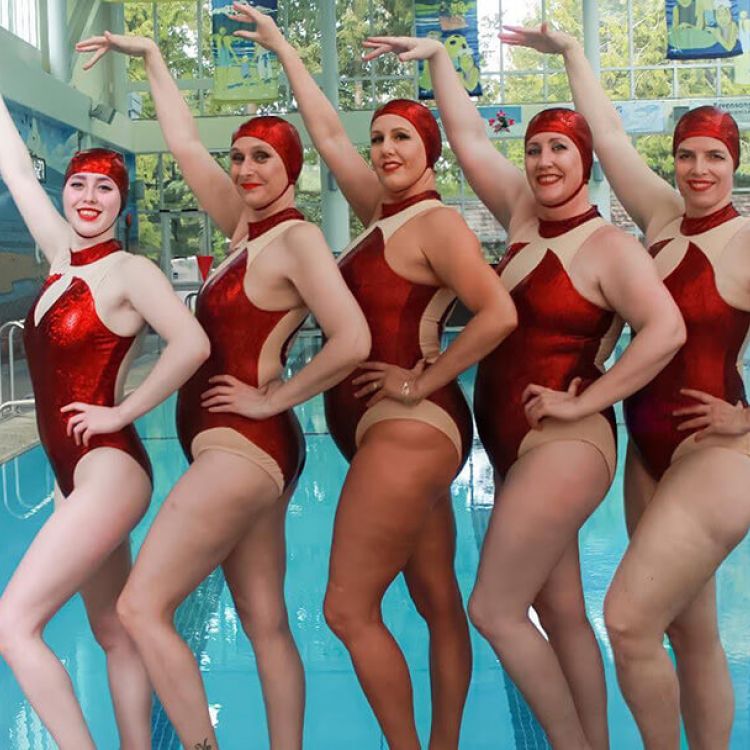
x=256, y=228
x=390, y=209
x=691, y=225
x=549, y=228
x=94, y=253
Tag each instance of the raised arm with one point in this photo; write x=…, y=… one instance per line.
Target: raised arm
x=650, y=200
x=500, y=185
x=209, y=182
x=48, y=228
x=357, y=181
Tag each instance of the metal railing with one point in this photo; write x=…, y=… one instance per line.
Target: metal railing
x=12, y=404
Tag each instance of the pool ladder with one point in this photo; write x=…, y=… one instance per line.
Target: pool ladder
x=11, y=405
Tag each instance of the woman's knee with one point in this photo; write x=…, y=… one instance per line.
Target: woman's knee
x=494, y=621
x=263, y=622
x=108, y=630
x=562, y=618
x=437, y=601
x=15, y=631
x=137, y=612
x=630, y=634
x=689, y=642
x=344, y=617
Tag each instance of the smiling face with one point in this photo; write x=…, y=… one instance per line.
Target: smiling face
x=554, y=168
x=704, y=174
x=91, y=203
x=257, y=171
x=397, y=152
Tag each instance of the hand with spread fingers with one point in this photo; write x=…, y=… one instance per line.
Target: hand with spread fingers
x=229, y=394
x=404, y=47
x=543, y=39
x=91, y=420
x=134, y=46
x=712, y=416
x=382, y=380
x=266, y=32
x=540, y=402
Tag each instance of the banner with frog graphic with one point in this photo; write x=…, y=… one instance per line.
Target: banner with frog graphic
x=454, y=22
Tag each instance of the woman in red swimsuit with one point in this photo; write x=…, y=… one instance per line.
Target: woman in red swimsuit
x=543, y=402
x=234, y=416
x=81, y=335
x=687, y=469
x=403, y=423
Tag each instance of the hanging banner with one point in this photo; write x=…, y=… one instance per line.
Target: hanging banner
x=454, y=22
x=244, y=71
x=742, y=63
x=700, y=29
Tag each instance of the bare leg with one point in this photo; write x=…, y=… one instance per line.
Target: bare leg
x=706, y=696
x=698, y=514
x=562, y=612
x=432, y=583
x=80, y=536
x=208, y=511
x=255, y=574
x=547, y=495
x=399, y=472
x=128, y=682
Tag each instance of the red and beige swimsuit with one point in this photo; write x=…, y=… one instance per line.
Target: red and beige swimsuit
x=406, y=321
x=561, y=335
x=251, y=344
x=707, y=285
x=73, y=356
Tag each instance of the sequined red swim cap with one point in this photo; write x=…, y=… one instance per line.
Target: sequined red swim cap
x=422, y=119
x=711, y=122
x=567, y=122
x=102, y=161
x=281, y=135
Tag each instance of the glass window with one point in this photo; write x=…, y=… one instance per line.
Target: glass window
x=22, y=18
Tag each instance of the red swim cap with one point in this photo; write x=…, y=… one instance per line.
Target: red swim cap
x=281, y=135
x=102, y=161
x=570, y=123
x=421, y=118
x=712, y=122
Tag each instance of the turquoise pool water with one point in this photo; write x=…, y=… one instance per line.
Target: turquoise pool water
x=338, y=717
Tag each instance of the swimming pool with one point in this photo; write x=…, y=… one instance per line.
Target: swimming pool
x=338, y=717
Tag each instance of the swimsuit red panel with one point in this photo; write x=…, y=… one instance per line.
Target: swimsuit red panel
x=707, y=362
x=394, y=308
x=73, y=356
x=558, y=337
x=237, y=330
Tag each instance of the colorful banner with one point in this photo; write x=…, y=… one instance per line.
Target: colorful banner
x=699, y=29
x=244, y=71
x=742, y=63
x=454, y=22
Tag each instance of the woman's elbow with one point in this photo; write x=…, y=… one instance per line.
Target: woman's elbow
x=678, y=333
x=359, y=349
x=200, y=348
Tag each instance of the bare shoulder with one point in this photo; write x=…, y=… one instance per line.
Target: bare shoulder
x=611, y=247
x=302, y=236
x=441, y=224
